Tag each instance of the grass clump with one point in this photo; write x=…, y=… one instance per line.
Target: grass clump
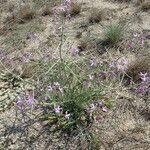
x=114, y=33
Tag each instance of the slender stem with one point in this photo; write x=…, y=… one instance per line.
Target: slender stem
x=62, y=35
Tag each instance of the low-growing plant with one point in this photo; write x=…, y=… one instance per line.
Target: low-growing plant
x=74, y=99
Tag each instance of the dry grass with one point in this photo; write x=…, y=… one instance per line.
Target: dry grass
x=46, y=10
x=95, y=16
x=75, y=9
x=145, y=5
x=26, y=13
x=140, y=64
x=23, y=14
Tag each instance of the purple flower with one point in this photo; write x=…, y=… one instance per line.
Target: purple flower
x=30, y=101
x=74, y=51
x=91, y=77
x=92, y=107
x=131, y=45
x=99, y=118
x=142, y=39
x=112, y=65
x=103, y=74
x=130, y=82
x=143, y=89
x=57, y=109
x=104, y=109
x=135, y=34
x=67, y=116
x=143, y=76
x=20, y=104
x=101, y=104
x=93, y=62
x=50, y=88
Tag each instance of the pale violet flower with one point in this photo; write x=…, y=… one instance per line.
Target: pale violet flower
x=50, y=88
x=143, y=76
x=20, y=104
x=93, y=62
x=91, y=77
x=74, y=51
x=67, y=116
x=135, y=34
x=92, y=107
x=104, y=109
x=99, y=118
x=57, y=109
x=30, y=101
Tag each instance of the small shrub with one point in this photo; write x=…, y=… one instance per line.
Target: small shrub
x=114, y=33
x=95, y=16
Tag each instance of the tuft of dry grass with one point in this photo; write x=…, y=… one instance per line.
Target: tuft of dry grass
x=140, y=64
x=46, y=10
x=86, y=43
x=145, y=5
x=95, y=16
x=75, y=9
x=26, y=13
x=21, y=15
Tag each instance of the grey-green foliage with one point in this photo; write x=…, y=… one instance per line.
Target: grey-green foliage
x=114, y=33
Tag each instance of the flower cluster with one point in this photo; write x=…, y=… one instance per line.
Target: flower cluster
x=121, y=65
x=144, y=86
x=59, y=110
x=137, y=39
x=25, y=101
x=55, y=87
x=98, y=110
x=93, y=62
x=64, y=8
x=74, y=51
